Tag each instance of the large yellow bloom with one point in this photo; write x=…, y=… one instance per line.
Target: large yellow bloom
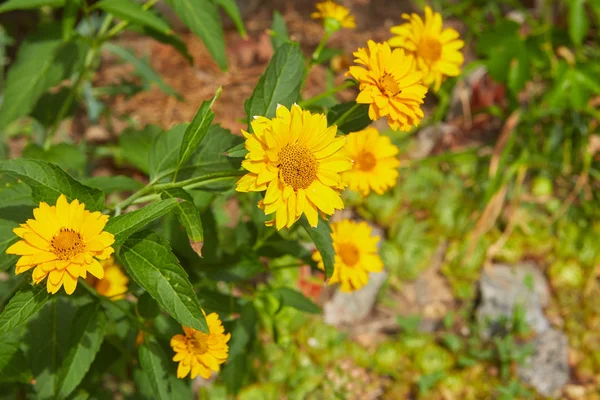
x=199, y=352
x=333, y=11
x=63, y=243
x=390, y=85
x=437, y=50
x=375, y=163
x=114, y=283
x=296, y=158
x=355, y=255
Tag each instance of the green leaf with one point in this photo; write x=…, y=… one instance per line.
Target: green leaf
x=135, y=146
x=147, y=307
x=14, y=193
x=579, y=23
x=172, y=40
x=113, y=184
x=69, y=157
x=234, y=372
x=70, y=18
x=231, y=8
x=355, y=117
x=248, y=266
x=202, y=17
x=279, y=31
x=87, y=334
x=48, y=182
x=321, y=236
x=150, y=262
x=29, y=4
x=280, y=84
x=23, y=306
x=188, y=216
x=295, y=299
x=7, y=238
x=154, y=363
x=13, y=365
x=164, y=152
x=143, y=69
x=196, y=131
x=42, y=62
x=126, y=225
x=238, y=151
x=49, y=105
x=133, y=12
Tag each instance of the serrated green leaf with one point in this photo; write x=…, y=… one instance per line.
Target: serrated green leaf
x=231, y=9
x=42, y=62
x=150, y=262
x=202, y=17
x=321, y=236
x=14, y=193
x=87, y=334
x=23, y=306
x=355, y=117
x=112, y=184
x=295, y=299
x=126, y=225
x=280, y=84
x=579, y=23
x=154, y=363
x=196, y=130
x=135, y=146
x=164, y=152
x=188, y=216
x=133, y=12
x=29, y=4
x=48, y=182
x=279, y=31
x=143, y=69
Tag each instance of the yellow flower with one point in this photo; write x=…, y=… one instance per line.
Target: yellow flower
x=355, y=254
x=375, y=163
x=389, y=84
x=437, y=50
x=339, y=15
x=63, y=243
x=114, y=283
x=201, y=353
x=296, y=158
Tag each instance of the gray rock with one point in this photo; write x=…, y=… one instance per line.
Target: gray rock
x=547, y=369
x=503, y=288
x=348, y=308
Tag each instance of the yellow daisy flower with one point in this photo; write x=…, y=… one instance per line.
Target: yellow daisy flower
x=389, y=83
x=355, y=254
x=114, y=283
x=296, y=158
x=63, y=243
x=338, y=15
x=375, y=163
x=199, y=353
x=437, y=50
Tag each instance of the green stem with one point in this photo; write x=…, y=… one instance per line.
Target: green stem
x=320, y=47
x=342, y=118
x=339, y=88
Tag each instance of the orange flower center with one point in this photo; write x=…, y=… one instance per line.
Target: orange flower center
x=388, y=85
x=349, y=253
x=297, y=166
x=67, y=243
x=430, y=49
x=365, y=161
x=198, y=344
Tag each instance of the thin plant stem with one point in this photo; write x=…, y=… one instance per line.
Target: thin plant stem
x=333, y=90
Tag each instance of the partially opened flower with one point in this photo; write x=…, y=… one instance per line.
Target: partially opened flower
x=62, y=242
x=355, y=255
x=200, y=353
x=114, y=283
x=296, y=158
x=375, y=163
x=334, y=16
x=436, y=50
x=389, y=83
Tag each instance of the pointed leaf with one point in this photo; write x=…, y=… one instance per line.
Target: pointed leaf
x=133, y=12
x=321, y=236
x=297, y=300
x=279, y=31
x=188, y=216
x=354, y=118
x=280, y=84
x=48, y=182
x=231, y=8
x=87, y=334
x=23, y=306
x=150, y=262
x=154, y=363
x=126, y=225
